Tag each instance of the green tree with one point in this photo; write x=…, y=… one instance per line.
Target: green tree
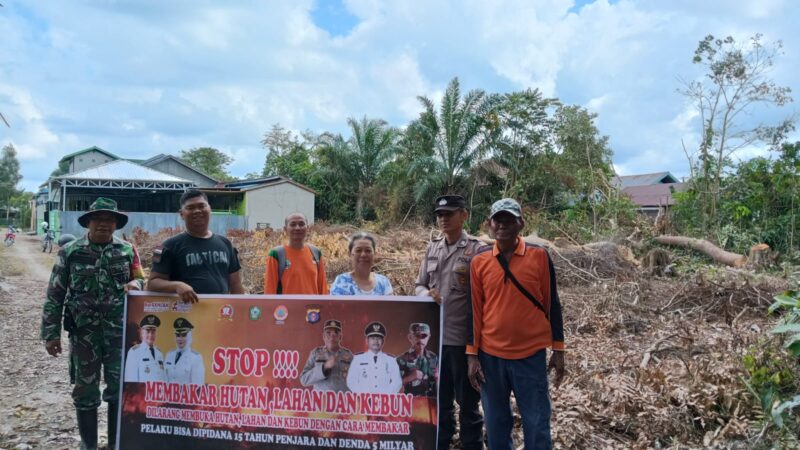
x=583, y=169
x=526, y=137
x=289, y=155
x=63, y=168
x=460, y=133
x=22, y=201
x=758, y=203
x=9, y=176
x=735, y=83
x=363, y=157
x=210, y=161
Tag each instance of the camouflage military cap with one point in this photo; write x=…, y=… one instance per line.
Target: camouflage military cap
x=375, y=329
x=150, y=321
x=332, y=324
x=420, y=329
x=182, y=325
x=508, y=205
x=105, y=205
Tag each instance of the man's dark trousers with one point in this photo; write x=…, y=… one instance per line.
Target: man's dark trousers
x=454, y=385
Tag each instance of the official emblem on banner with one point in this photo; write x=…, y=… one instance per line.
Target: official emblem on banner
x=181, y=306
x=280, y=314
x=312, y=313
x=226, y=312
x=255, y=313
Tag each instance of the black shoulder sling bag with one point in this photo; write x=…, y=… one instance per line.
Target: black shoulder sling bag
x=502, y=260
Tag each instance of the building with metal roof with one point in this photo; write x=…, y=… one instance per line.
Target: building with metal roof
x=646, y=179
x=176, y=166
x=149, y=192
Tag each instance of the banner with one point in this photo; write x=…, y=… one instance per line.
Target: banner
x=286, y=372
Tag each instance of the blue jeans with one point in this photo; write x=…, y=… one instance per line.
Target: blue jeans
x=527, y=379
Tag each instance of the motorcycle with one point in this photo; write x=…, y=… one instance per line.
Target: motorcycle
x=47, y=241
x=11, y=236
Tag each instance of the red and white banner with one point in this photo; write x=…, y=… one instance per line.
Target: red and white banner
x=255, y=371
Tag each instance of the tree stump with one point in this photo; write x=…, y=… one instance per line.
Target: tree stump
x=760, y=257
x=656, y=261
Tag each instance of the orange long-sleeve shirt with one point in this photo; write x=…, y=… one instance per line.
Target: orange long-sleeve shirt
x=302, y=276
x=506, y=324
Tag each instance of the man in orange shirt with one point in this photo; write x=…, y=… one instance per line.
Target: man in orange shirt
x=516, y=317
x=296, y=268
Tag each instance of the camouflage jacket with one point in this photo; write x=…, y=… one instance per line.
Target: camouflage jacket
x=88, y=283
x=428, y=364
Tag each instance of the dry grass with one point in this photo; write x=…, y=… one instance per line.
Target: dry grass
x=10, y=267
x=653, y=362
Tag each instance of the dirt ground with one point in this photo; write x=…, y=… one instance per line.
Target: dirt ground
x=35, y=400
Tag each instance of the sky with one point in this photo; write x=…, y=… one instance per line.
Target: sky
x=142, y=77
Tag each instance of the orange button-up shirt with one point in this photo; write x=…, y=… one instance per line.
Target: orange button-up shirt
x=506, y=323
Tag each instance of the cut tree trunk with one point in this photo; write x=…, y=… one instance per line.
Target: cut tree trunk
x=703, y=246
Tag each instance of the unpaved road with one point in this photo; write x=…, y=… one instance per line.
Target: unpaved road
x=35, y=403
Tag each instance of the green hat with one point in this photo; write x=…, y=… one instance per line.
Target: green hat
x=150, y=321
x=420, y=328
x=103, y=204
x=182, y=325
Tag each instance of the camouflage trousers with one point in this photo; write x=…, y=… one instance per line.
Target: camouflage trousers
x=95, y=347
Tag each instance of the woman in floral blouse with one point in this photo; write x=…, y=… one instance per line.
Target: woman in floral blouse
x=361, y=280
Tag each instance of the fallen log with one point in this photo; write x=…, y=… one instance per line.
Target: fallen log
x=703, y=246
x=586, y=263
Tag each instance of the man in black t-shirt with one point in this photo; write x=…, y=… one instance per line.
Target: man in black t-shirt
x=196, y=261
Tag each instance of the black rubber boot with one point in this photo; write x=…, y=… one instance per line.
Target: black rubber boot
x=112, y=426
x=87, y=426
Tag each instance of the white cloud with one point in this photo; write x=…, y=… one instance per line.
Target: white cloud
x=168, y=76
x=28, y=132
x=401, y=81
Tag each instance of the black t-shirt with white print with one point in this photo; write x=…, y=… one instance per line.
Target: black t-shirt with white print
x=202, y=263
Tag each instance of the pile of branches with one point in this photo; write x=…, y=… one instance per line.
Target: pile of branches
x=656, y=363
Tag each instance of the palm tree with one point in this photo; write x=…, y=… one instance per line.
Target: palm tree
x=459, y=134
x=363, y=156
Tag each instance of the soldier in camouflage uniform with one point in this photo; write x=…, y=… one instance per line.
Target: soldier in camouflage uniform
x=419, y=366
x=327, y=366
x=87, y=291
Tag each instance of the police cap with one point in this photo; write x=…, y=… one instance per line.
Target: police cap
x=375, y=329
x=150, y=321
x=450, y=203
x=333, y=323
x=182, y=325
